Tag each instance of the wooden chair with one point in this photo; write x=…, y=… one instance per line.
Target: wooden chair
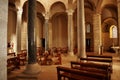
x=12, y=62
x=22, y=57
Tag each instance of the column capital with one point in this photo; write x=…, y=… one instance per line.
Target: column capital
x=19, y=11
x=97, y=14
x=46, y=15
x=70, y=11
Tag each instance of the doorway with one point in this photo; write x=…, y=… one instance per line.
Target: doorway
x=88, y=44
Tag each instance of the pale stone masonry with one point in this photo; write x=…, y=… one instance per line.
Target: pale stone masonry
x=81, y=29
x=118, y=4
x=18, y=30
x=3, y=38
x=97, y=32
x=70, y=32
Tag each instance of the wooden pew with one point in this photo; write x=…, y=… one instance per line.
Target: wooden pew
x=99, y=56
x=101, y=60
x=74, y=74
x=92, y=67
x=90, y=64
x=97, y=59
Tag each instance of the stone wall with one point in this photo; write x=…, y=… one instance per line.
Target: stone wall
x=3, y=38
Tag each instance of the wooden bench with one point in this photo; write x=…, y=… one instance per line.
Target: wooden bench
x=97, y=59
x=74, y=74
x=101, y=60
x=99, y=56
x=92, y=67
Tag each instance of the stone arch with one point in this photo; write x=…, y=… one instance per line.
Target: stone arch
x=89, y=4
x=108, y=18
x=75, y=26
x=106, y=24
x=25, y=12
x=16, y=3
x=109, y=10
x=11, y=3
x=57, y=7
x=59, y=29
x=40, y=8
x=74, y=4
x=39, y=29
x=12, y=20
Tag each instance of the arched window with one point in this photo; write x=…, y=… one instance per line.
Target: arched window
x=88, y=28
x=113, y=31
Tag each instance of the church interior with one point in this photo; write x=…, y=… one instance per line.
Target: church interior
x=60, y=40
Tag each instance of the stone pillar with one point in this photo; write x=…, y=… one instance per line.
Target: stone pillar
x=70, y=32
x=18, y=29
x=97, y=33
x=46, y=25
x=32, y=66
x=50, y=35
x=81, y=29
x=3, y=38
x=118, y=4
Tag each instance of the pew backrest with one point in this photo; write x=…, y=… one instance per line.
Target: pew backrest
x=99, y=56
x=92, y=67
x=75, y=74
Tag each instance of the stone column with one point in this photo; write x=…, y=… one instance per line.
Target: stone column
x=97, y=33
x=18, y=29
x=46, y=25
x=50, y=35
x=32, y=66
x=81, y=29
x=70, y=32
x=118, y=4
x=3, y=38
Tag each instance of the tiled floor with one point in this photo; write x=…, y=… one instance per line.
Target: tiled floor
x=49, y=72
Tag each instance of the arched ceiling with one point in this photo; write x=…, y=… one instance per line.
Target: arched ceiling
x=89, y=4
x=58, y=6
x=109, y=11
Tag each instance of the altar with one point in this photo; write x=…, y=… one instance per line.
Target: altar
x=116, y=48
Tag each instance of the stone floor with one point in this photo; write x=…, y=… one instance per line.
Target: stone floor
x=49, y=72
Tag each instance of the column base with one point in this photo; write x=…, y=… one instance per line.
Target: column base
x=23, y=76
x=71, y=53
x=32, y=69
